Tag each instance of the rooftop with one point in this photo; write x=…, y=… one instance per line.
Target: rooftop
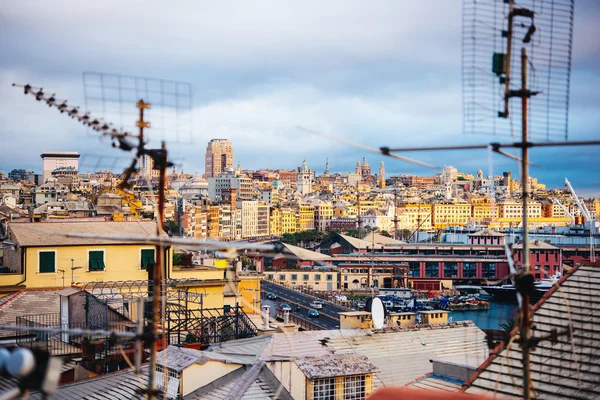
x=565, y=369
x=335, y=365
x=55, y=234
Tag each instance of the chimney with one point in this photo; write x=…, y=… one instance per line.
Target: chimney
x=286, y=317
x=266, y=316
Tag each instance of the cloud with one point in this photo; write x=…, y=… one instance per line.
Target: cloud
x=378, y=73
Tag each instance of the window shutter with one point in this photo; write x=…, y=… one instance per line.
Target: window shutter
x=147, y=258
x=47, y=263
x=96, y=261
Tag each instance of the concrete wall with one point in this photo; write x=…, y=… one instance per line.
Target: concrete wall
x=196, y=376
x=290, y=376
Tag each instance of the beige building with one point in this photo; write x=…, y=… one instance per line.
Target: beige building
x=262, y=223
x=219, y=157
x=323, y=215
x=58, y=159
x=514, y=209
x=317, y=280
x=223, y=187
x=249, y=209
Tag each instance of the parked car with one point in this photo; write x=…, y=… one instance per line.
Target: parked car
x=316, y=304
x=285, y=307
x=313, y=313
x=271, y=296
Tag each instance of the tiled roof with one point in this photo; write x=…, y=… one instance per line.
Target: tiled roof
x=535, y=244
x=35, y=234
x=178, y=358
x=304, y=254
x=400, y=355
x=334, y=365
x=354, y=242
x=27, y=302
x=566, y=369
x=117, y=385
x=376, y=238
x=486, y=232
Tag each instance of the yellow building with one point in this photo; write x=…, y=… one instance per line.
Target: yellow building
x=483, y=209
x=434, y=317
x=275, y=222
x=453, y=214
x=306, y=220
x=355, y=320
x=42, y=256
x=289, y=221
x=417, y=214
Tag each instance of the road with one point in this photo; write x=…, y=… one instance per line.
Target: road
x=328, y=315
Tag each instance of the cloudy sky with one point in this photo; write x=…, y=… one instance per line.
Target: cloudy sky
x=377, y=72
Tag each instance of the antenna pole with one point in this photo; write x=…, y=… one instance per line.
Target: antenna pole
x=524, y=329
x=396, y=213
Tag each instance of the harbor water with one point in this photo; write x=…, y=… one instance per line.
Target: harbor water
x=497, y=314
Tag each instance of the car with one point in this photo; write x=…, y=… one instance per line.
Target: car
x=316, y=304
x=285, y=307
x=313, y=313
x=271, y=296
x=361, y=304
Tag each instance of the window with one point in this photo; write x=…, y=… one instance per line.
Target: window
x=329, y=277
x=96, y=260
x=450, y=270
x=147, y=258
x=469, y=270
x=317, y=277
x=431, y=269
x=345, y=277
x=354, y=387
x=47, y=261
x=282, y=277
x=488, y=270
x=414, y=269
x=294, y=277
x=305, y=277
x=323, y=389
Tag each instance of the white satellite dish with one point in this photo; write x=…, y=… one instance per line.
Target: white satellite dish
x=377, y=313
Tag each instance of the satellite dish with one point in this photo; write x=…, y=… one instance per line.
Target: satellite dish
x=377, y=313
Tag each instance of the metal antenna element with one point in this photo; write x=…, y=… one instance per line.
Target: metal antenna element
x=367, y=148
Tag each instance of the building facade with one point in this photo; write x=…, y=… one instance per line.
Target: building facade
x=218, y=158
x=58, y=159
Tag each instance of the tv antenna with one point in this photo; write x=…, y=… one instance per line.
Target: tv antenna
x=139, y=92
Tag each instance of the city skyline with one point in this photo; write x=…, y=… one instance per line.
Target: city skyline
x=386, y=83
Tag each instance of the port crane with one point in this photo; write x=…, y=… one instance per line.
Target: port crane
x=565, y=209
x=591, y=219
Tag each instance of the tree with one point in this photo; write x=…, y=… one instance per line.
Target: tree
x=171, y=227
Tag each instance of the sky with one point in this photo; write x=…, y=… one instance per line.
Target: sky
x=379, y=73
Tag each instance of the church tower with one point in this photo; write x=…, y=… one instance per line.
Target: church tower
x=305, y=179
x=381, y=176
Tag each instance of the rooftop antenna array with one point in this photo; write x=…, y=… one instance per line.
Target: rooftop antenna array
x=119, y=96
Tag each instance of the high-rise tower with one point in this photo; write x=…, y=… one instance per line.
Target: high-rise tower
x=381, y=176
x=219, y=157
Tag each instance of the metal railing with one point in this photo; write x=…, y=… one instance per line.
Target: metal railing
x=302, y=323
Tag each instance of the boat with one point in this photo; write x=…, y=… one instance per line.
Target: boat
x=509, y=292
